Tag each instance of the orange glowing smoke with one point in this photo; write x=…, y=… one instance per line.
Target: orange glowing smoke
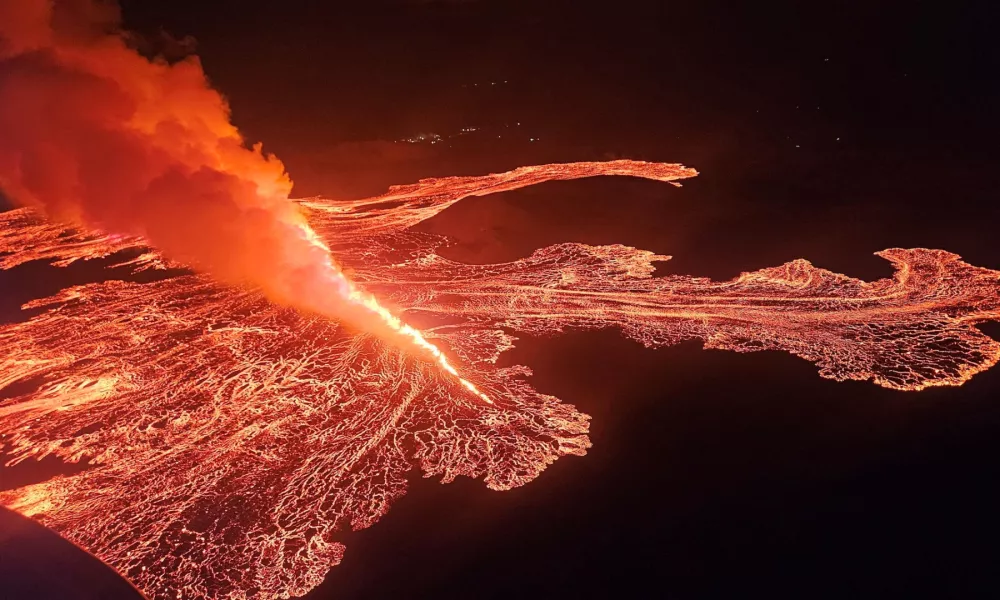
x=231, y=440
x=94, y=134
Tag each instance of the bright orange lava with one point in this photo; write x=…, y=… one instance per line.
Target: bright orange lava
x=230, y=440
x=370, y=303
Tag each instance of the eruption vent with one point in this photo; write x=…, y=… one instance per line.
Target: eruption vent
x=94, y=134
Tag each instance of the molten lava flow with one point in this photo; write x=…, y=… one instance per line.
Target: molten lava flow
x=368, y=301
x=230, y=440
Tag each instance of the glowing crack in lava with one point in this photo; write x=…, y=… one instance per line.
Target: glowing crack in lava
x=230, y=439
x=368, y=302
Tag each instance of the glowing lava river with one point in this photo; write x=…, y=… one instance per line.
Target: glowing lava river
x=230, y=440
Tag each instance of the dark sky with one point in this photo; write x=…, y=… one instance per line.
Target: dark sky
x=660, y=78
x=370, y=69
x=875, y=115
x=822, y=130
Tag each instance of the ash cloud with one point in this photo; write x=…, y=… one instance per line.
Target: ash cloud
x=94, y=133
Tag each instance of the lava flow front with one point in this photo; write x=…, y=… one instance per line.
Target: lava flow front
x=229, y=440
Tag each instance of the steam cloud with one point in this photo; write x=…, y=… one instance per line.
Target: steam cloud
x=93, y=133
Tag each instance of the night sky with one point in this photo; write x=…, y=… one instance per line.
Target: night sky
x=825, y=132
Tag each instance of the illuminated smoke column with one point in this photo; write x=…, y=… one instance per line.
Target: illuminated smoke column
x=94, y=134
x=231, y=440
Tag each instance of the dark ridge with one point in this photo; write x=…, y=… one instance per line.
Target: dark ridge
x=990, y=328
x=21, y=387
x=40, y=279
x=30, y=471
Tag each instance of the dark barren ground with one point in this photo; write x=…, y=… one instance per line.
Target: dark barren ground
x=713, y=474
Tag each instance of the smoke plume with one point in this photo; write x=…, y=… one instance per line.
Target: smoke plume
x=93, y=133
